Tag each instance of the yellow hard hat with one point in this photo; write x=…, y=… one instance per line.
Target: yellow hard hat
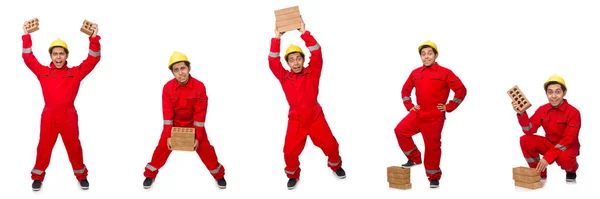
x=177, y=57
x=555, y=78
x=428, y=43
x=293, y=49
x=58, y=43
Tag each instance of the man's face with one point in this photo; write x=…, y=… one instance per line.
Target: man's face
x=555, y=94
x=296, y=62
x=181, y=72
x=428, y=56
x=59, y=56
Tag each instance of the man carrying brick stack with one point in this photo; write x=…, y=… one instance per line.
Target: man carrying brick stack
x=561, y=121
x=184, y=104
x=306, y=117
x=433, y=84
x=60, y=84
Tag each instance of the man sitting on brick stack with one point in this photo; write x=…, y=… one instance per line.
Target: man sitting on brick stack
x=561, y=122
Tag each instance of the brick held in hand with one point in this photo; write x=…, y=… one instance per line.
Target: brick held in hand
x=87, y=27
x=32, y=25
x=288, y=19
x=516, y=95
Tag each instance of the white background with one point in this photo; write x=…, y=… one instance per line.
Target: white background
x=369, y=48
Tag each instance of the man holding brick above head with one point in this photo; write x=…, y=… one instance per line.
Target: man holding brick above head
x=433, y=84
x=184, y=104
x=561, y=121
x=306, y=118
x=60, y=84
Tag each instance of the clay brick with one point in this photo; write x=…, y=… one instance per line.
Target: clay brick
x=398, y=180
x=287, y=10
x=183, y=132
x=525, y=171
x=288, y=19
x=401, y=186
x=87, y=27
x=398, y=170
x=398, y=175
x=32, y=25
x=526, y=179
x=535, y=185
x=182, y=144
x=517, y=95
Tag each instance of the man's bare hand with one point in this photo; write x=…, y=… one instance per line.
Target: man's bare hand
x=441, y=107
x=278, y=34
x=542, y=164
x=515, y=106
x=169, y=143
x=195, y=144
x=95, y=29
x=414, y=108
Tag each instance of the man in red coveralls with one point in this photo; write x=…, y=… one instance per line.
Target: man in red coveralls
x=184, y=104
x=60, y=85
x=306, y=118
x=433, y=84
x=561, y=122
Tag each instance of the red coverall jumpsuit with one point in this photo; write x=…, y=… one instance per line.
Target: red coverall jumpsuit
x=185, y=106
x=60, y=88
x=561, y=143
x=305, y=117
x=433, y=85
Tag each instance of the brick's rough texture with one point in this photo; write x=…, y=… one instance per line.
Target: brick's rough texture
x=527, y=177
x=399, y=177
x=182, y=139
x=288, y=19
x=516, y=95
x=535, y=185
x=32, y=25
x=87, y=27
x=401, y=186
x=398, y=170
x=525, y=171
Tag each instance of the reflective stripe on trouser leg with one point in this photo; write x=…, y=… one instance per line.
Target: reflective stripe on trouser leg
x=80, y=171
x=215, y=171
x=290, y=172
x=37, y=171
x=431, y=172
x=150, y=167
x=409, y=151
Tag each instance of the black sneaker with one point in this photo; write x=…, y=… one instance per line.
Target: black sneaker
x=571, y=177
x=148, y=183
x=85, y=185
x=36, y=185
x=410, y=163
x=340, y=173
x=292, y=183
x=221, y=183
x=434, y=184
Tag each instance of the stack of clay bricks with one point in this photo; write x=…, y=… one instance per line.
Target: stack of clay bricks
x=87, y=27
x=288, y=19
x=399, y=177
x=182, y=138
x=527, y=177
x=32, y=25
x=516, y=95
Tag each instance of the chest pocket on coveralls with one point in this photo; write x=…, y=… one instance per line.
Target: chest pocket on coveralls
x=174, y=101
x=561, y=122
x=438, y=79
